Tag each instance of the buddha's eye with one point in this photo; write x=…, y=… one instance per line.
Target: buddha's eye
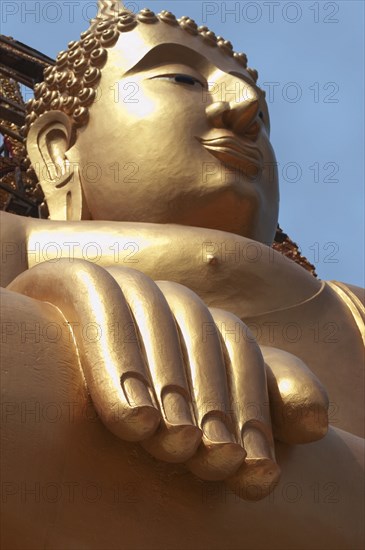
x=261, y=115
x=185, y=79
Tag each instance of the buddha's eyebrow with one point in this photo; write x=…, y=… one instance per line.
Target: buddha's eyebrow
x=171, y=53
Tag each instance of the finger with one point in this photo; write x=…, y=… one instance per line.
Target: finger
x=219, y=455
x=298, y=401
x=248, y=389
x=113, y=367
x=178, y=437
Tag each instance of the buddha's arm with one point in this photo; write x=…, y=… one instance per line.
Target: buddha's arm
x=13, y=236
x=214, y=264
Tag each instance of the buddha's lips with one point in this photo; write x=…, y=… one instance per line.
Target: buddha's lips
x=238, y=153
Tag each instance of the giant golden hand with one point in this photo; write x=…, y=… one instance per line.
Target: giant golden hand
x=165, y=370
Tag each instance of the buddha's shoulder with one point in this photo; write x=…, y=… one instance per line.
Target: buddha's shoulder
x=355, y=293
x=353, y=299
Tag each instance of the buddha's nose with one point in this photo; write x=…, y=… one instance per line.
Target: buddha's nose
x=240, y=115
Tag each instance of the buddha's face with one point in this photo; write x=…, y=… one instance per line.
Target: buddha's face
x=178, y=134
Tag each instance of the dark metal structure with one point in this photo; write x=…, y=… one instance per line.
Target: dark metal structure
x=19, y=65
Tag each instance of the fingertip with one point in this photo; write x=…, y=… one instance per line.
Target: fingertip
x=216, y=461
x=173, y=443
x=305, y=425
x=136, y=424
x=256, y=479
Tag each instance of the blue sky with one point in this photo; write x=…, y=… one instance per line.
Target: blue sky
x=310, y=57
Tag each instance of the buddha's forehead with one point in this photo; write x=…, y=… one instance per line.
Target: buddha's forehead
x=170, y=44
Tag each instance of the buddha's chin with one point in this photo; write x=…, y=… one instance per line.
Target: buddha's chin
x=226, y=211
x=231, y=206
x=243, y=215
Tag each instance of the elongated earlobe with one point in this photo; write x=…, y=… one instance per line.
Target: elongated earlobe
x=49, y=139
x=67, y=201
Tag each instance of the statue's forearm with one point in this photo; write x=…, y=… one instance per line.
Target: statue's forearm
x=204, y=260
x=13, y=234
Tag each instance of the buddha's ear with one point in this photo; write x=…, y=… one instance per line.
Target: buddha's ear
x=48, y=140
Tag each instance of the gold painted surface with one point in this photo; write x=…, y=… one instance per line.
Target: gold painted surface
x=354, y=304
x=153, y=288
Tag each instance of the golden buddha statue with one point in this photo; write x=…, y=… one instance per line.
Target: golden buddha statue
x=149, y=311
